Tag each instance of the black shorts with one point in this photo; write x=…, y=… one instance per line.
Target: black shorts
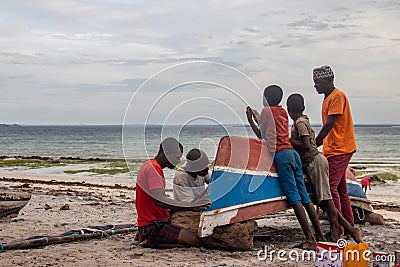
x=160, y=231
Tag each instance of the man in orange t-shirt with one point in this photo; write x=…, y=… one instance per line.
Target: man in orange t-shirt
x=337, y=137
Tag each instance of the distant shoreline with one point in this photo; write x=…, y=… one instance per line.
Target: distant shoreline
x=172, y=125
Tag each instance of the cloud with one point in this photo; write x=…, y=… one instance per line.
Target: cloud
x=370, y=97
x=18, y=58
x=390, y=5
x=302, y=38
x=46, y=59
x=240, y=42
x=273, y=43
x=252, y=30
x=82, y=36
x=69, y=52
x=317, y=24
x=309, y=24
x=341, y=9
x=18, y=77
x=367, y=48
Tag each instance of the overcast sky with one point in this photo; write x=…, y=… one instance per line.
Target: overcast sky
x=80, y=62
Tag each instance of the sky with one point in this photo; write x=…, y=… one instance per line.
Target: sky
x=180, y=62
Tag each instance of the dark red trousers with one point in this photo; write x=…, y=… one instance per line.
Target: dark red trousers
x=337, y=182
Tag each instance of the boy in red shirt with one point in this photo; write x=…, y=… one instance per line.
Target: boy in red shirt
x=273, y=127
x=152, y=203
x=366, y=182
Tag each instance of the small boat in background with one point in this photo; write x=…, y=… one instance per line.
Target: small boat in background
x=11, y=202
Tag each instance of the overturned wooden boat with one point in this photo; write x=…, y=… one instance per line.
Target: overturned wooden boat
x=244, y=185
x=11, y=202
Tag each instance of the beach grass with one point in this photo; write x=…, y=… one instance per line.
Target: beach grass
x=107, y=171
x=111, y=167
x=29, y=163
x=388, y=176
x=102, y=166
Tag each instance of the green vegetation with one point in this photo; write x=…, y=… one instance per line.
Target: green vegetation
x=110, y=168
x=103, y=166
x=384, y=175
x=117, y=164
x=100, y=171
x=388, y=176
x=29, y=163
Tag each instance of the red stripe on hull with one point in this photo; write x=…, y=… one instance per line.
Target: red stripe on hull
x=249, y=154
x=257, y=210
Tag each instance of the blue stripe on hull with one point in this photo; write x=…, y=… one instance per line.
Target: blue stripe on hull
x=230, y=189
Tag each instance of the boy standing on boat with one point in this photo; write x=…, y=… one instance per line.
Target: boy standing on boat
x=273, y=127
x=152, y=203
x=337, y=137
x=316, y=166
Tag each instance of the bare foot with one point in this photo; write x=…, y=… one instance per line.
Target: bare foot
x=331, y=237
x=321, y=238
x=334, y=236
x=145, y=243
x=357, y=235
x=307, y=245
x=138, y=237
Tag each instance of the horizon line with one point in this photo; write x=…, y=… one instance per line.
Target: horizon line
x=157, y=125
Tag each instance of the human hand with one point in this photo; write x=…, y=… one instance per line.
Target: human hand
x=201, y=204
x=249, y=113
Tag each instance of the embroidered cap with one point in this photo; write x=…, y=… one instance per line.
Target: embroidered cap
x=324, y=72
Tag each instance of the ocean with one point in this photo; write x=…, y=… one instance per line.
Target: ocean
x=374, y=143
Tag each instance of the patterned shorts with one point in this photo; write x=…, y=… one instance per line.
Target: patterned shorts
x=160, y=231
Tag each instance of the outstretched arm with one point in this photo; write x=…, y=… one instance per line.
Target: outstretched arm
x=254, y=127
x=165, y=202
x=330, y=122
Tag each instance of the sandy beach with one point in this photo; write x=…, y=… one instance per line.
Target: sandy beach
x=105, y=201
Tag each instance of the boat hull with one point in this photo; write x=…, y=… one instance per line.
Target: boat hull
x=244, y=185
x=12, y=202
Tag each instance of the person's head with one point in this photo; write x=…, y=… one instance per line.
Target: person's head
x=323, y=79
x=197, y=163
x=273, y=95
x=169, y=153
x=295, y=105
